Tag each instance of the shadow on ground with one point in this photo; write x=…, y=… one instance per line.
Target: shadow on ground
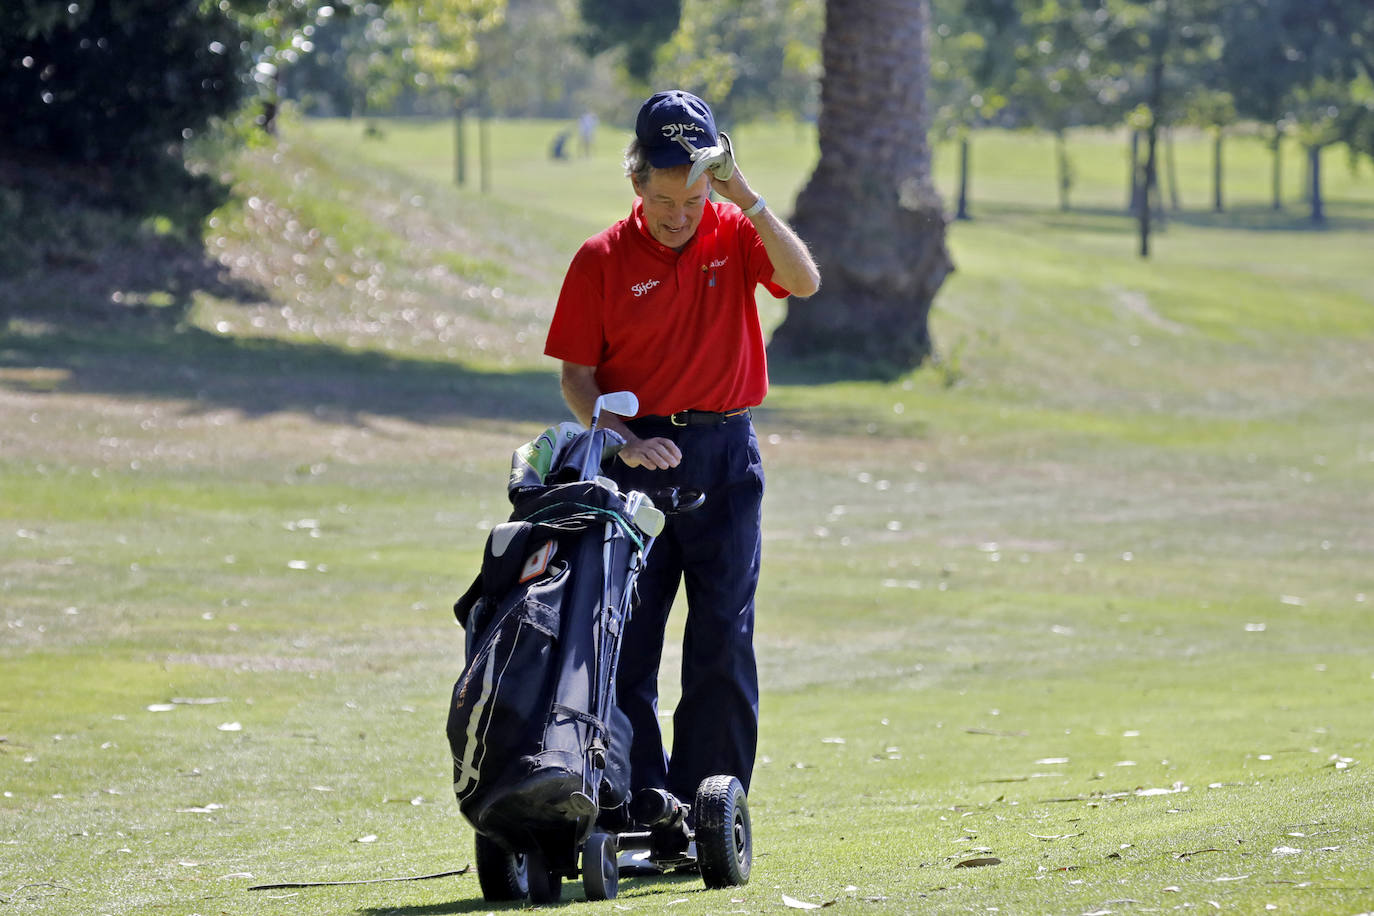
x=1341, y=216
x=265, y=376
x=651, y=888
x=95, y=301
x=121, y=331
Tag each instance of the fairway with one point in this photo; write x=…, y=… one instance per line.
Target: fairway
x=1078, y=618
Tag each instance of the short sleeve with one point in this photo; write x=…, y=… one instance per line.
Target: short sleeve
x=576, y=334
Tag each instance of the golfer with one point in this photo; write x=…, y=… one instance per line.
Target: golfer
x=662, y=304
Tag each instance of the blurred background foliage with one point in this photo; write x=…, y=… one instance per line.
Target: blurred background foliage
x=120, y=86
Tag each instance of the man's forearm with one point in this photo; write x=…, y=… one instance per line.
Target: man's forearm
x=793, y=267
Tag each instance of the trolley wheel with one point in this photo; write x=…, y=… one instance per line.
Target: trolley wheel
x=501, y=874
x=546, y=885
x=725, y=840
x=600, y=875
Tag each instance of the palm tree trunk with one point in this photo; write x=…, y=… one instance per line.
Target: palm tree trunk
x=870, y=212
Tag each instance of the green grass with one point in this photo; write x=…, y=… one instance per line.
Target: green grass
x=1090, y=597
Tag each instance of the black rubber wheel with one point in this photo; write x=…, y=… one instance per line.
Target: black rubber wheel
x=546, y=885
x=725, y=839
x=600, y=875
x=501, y=874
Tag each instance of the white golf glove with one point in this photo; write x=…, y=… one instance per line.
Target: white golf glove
x=719, y=159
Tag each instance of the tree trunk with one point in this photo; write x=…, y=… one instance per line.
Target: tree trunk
x=1148, y=183
x=1171, y=165
x=962, y=212
x=870, y=211
x=1135, y=196
x=484, y=151
x=1277, y=175
x=1159, y=44
x=270, y=104
x=460, y=146
x=1061, y=149
x=1218, y=205
x=1314, y=187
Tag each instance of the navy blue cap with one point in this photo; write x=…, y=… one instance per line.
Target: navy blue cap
x=667, y=116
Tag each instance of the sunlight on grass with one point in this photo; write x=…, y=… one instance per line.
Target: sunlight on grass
x=1085, y=602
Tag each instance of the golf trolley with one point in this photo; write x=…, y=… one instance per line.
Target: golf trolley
x=540, y=749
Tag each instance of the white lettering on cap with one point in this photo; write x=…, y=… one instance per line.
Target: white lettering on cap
x=673, y=131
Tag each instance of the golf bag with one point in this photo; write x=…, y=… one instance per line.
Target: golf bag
x=539, y=746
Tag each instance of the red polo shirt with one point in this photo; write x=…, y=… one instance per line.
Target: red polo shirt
x=679, y=329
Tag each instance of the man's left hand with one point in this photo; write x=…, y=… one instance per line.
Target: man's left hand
x=720, y=159
x=656, y=453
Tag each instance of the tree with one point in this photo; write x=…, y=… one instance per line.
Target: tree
x=1303, y=66
x=752, y=60
x=639, y=28
x=969, y=38
x=870, y=211
x=115, y=84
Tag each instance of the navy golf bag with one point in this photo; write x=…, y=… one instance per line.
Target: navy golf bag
x=539, y=746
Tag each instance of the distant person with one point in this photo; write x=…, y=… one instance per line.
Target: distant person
x=662, y=304
x=586, y=128
x=559, y=150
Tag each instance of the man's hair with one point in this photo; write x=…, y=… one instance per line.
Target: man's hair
x=637, y=167
x=639, y=170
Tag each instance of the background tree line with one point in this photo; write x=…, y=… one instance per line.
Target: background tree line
x=121, y=85
x=120, y=81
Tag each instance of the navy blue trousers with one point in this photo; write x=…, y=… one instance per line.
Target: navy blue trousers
x=714, y=552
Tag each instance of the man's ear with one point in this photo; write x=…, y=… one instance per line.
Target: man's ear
x=634, y=183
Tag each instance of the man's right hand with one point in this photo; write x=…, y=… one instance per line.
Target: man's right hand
x=657, y=453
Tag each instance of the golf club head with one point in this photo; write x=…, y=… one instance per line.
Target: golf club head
x=620, y=403
x=719, y=159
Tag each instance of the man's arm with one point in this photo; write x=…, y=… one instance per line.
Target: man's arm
x=793, y=267
x=580, y=391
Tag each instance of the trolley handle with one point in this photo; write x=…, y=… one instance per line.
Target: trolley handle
x=677, y=500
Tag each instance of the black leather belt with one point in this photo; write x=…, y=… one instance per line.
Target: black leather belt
x=699, y=417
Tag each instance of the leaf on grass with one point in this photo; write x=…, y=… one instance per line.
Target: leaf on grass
x=202, y=809
x=1286, y=851
x=370, y=838
x=796, y=904
x=231, y=727
x=978, y=862
x=160, y=707
x=1184, y=855
x=1048, y=761
x=199, y=701
x=1056, y=836
x=994, y=733
x=1176, y=787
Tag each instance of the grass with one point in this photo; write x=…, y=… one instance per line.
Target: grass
x=1090, y=598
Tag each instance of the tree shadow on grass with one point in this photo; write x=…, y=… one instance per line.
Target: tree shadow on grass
x=124, y=334
x=673, y=883
x=102, y=308
x=1341, y=216
x=261, y=376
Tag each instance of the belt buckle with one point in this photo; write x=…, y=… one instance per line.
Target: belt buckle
x=679, y=418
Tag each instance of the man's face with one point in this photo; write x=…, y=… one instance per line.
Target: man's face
x=673, y=211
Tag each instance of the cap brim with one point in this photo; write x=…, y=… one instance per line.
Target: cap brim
x=663, y=157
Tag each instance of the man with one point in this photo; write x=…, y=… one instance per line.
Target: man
x=662, y=304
